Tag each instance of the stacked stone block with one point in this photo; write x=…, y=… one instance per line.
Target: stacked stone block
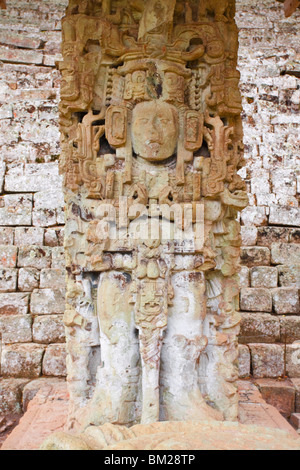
x=32, y=276
x=270, y=275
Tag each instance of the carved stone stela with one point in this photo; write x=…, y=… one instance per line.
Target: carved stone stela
x=150, y=119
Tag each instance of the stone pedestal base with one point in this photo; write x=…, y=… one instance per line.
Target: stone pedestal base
x=47, y=413
x=260, y=427
x=165, y=436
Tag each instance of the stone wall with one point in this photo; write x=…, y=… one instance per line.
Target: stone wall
x=31, y=202
x=269, y=300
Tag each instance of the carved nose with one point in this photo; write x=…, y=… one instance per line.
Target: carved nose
x=154, y=132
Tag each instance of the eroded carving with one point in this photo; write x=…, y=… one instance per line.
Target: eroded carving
x=151, y=147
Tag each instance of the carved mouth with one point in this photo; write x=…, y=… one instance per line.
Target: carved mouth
x=153, y=146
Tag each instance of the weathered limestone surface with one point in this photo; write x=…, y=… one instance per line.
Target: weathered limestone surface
x=47, y=301
x=151, y=136
x=256, y=417
x=175, y=436
x=54, y=363
x=267, y=360
x=280, y=394
x=244, y=361
x=295, y=420
x=254, y=409
x=264, y=277
x=22, y=360
x=14, y=303
x=10, y=404
x=16, y=328
x=286, y=301
x=293, y=359
x=48, y=329
x=46, y=405
x=259, y=328
x=8, y=280
x=270, y=224
x=29, y=96
x=289, y=328
x=31, y=200
x=28, y=279
x=46, y=402
x=10, y=391
x=296, y=384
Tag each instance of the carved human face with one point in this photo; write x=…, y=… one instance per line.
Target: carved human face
x=154, y=130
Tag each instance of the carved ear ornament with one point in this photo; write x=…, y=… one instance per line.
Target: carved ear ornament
x=116, y=125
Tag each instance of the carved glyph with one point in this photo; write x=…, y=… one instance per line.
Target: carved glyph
x=151, y=140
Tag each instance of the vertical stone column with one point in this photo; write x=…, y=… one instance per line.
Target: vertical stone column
x=151, y=146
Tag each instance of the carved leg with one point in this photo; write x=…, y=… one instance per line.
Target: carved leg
x=182, y=347
x=116, y=391
x=151, y=321
x=150, y=390
x=150, y=379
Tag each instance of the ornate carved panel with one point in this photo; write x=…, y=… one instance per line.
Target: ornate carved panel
x=151, y=148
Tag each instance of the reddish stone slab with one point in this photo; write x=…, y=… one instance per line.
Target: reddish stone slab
x=279, y=393
x=290, y=6
x=295, y=421
x=46, y=413
x=253, y=410
x=296, y=384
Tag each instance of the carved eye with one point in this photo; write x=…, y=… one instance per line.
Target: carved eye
x=143, y=120
x=165, y=121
